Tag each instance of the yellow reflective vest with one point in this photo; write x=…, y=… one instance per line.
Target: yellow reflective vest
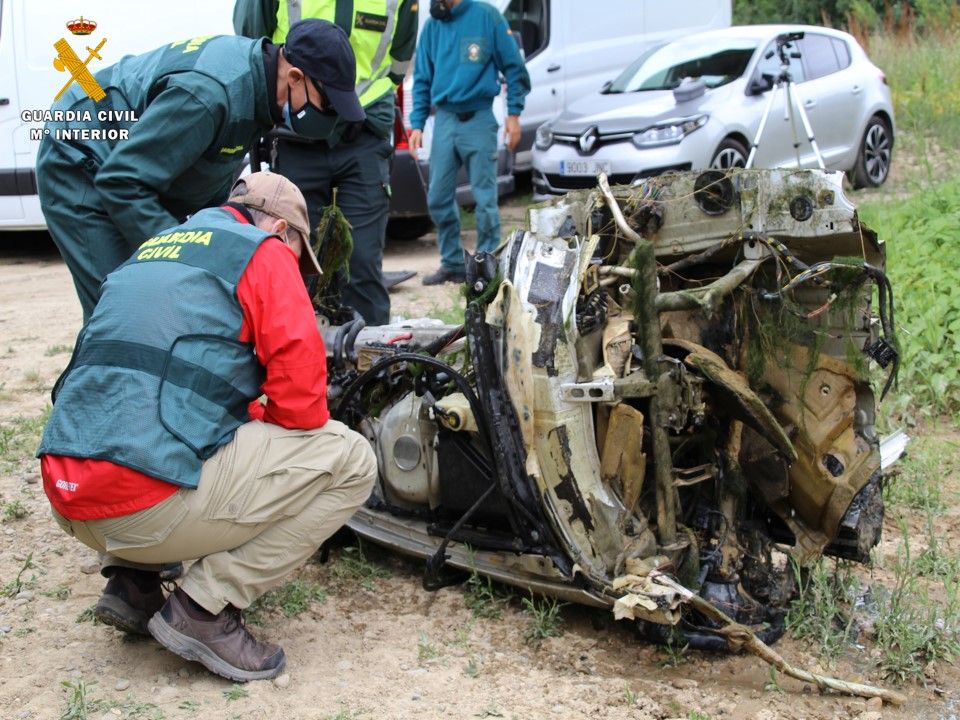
x=371, y=34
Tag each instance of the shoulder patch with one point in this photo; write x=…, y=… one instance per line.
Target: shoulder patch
x=369, y=21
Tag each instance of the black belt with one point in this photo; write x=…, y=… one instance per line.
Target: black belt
x=464, y=116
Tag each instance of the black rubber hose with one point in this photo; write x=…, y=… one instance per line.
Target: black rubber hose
x=356, y=325
x=338, y=347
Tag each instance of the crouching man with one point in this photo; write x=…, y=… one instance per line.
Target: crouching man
x=159, y=450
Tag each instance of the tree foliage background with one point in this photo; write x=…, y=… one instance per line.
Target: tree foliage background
x=915, y=15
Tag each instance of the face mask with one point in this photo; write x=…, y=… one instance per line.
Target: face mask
x=310, y=121
x=439, y=9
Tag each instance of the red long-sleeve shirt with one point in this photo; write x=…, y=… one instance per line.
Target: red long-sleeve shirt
x=278, y=320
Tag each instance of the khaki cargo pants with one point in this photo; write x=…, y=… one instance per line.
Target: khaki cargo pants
x=265, y=503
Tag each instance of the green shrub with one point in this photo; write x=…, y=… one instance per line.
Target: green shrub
x=923, y=260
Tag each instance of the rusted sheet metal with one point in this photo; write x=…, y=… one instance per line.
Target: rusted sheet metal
x=749, y=407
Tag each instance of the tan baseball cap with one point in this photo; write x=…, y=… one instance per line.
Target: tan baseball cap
x=278, y=197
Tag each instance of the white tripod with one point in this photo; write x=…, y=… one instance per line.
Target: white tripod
x=784, y=49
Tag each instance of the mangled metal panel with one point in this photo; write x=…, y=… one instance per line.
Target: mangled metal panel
x=671, y=379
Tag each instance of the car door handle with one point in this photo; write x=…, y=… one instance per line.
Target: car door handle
x=855, y=90
x=4, y=101
x=809, y=103
x=553, y=68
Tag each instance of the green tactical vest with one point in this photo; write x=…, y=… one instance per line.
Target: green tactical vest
x=160, y=386
x=371, y=32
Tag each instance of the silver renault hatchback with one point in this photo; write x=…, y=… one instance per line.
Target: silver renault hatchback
x=698, y=102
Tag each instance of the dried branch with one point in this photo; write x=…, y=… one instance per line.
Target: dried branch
x=741, y=637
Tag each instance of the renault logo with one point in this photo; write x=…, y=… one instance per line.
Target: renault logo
x=588, y=140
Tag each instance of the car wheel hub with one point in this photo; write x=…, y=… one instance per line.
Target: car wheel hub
x=728, y=158
x=876, y=153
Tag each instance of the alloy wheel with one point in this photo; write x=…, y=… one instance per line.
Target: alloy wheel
x=727, y=158
x=876, y=153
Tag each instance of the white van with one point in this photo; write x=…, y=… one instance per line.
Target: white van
x=571, y=48
x=29, y=81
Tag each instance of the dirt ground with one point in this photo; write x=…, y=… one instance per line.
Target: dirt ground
x=378, y=648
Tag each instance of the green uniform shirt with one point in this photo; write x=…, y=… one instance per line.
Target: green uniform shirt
x=199, y=105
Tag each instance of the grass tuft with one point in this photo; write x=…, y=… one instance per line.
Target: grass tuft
x=79, y=705
x=19, y=583
x=426, y=650
x=545, y=619
x=19, y=438
x=484, y=599
x=292, y=598
x=353, y=564
x=13, y=510
x=822, y=612
x=235, y=692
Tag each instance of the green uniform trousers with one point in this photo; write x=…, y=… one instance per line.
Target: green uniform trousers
x=91, y=245
x=360, y=170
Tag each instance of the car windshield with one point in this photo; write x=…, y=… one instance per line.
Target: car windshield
x=663, y=67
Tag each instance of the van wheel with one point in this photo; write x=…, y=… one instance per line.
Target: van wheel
x=873, y=160
x=408, y=228
x=730, y=154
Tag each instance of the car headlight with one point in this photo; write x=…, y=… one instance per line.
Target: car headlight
x=544, y=137
x=669, y=132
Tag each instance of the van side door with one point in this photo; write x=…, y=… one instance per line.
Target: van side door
x=11, y=206
x=534, y=23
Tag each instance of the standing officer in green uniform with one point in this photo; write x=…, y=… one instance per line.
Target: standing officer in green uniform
x=198, y=105
x=354, y=158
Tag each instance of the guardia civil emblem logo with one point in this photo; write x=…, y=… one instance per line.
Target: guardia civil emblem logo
x=473, y=52
x=68, y=61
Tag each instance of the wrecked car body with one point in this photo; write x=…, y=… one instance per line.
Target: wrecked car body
x=667, y=380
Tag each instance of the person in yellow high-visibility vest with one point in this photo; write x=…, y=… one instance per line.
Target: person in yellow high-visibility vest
x=354, y=158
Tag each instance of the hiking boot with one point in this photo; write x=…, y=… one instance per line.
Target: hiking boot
x=219, y=642
x=392, y=278
x=130, y=598
x=445, y=275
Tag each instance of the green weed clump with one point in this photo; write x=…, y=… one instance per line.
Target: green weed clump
x=13, y=510
x=822, y=613
x=922, y=234
x=235, y=692
x=19, y=583
x=545, y=619
x=353, y=564
x=426, y=650
x=292, y=598
x=915, y=482
x=79, y=705
x=914, y=624
x=914, y=629
x=483, y=598
x=19, y=438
